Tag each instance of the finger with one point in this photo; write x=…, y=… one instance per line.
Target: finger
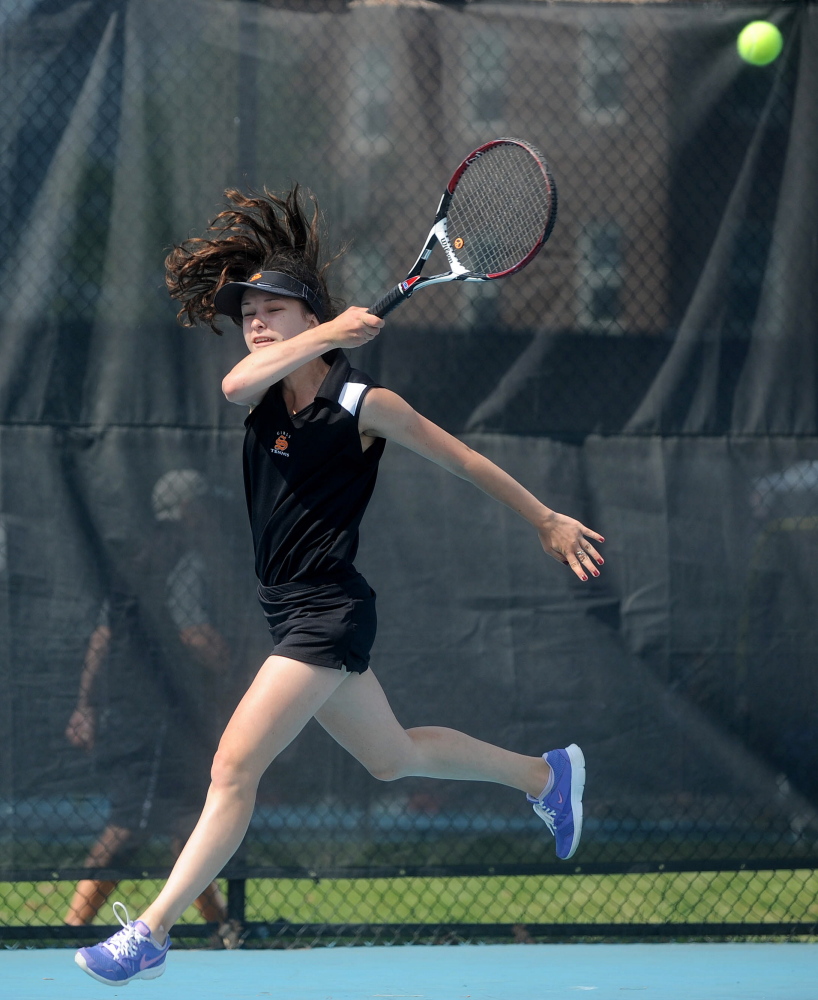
x=589, y=548
x=576, y=565
x=591, y=532
x=585, y=553
x=592, y=552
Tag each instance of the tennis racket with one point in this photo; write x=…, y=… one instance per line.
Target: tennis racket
x=496, y=212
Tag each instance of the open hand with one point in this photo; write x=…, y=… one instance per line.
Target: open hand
x=565, y=539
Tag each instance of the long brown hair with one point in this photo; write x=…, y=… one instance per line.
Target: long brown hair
x=259, y=232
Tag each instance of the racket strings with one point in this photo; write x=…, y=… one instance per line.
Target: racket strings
x=501, y=210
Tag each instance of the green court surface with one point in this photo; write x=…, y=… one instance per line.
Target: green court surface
x=417, y=972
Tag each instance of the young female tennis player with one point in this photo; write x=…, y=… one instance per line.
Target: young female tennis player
x=315, y=432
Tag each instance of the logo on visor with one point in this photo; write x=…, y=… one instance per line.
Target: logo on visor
x=255, y=277
x=281, y=445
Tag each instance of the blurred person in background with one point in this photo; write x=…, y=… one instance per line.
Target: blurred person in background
x=155, y=671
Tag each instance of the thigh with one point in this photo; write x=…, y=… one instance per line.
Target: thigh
x=359, y=718
x=283, y=697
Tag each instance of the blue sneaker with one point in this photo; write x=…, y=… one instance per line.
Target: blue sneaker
x=128, y=954
x=561, y=808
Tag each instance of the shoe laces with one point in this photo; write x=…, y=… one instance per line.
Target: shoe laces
x=549, y=817
x=125, y=943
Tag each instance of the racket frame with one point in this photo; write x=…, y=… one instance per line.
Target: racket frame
x=438, y=235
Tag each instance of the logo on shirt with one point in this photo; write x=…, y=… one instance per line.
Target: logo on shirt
x=281, y=445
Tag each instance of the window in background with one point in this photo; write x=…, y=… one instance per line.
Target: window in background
x=485, y=81
x=369, y=114
x=481, y=305
x=602, y=67
x=601, y=267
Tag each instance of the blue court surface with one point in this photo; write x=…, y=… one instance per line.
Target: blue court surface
x=472, y=972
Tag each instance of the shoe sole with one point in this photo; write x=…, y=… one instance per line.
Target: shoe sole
x=152, y=973
x=577, y=758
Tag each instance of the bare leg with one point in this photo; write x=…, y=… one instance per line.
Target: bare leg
x=284, y=696
x=359, y=717
x=89, y=898
x=211, y=904
x=90, y=894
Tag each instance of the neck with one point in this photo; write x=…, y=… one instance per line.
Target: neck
x=300, y=386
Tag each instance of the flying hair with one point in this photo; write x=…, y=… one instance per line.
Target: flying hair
x=257, y=232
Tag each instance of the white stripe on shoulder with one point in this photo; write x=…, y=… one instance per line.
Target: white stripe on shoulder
x=350, y=396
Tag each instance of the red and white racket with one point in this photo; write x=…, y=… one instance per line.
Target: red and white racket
x=496, y=212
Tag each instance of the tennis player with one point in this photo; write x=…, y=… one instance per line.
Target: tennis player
x=315, y=432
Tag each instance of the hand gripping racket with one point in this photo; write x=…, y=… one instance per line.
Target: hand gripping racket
x=496, y=212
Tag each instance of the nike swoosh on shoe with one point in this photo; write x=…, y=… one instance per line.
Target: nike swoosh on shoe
x=146, y=963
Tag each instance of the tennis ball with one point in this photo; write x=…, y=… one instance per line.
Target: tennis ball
x=759, y=43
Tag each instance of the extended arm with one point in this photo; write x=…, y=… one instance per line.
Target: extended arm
x=384, y=414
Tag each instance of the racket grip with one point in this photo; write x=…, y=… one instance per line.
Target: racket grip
x=386, y=303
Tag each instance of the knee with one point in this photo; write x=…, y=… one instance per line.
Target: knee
x=229, y=772
x=398, y=762
x=387, y=770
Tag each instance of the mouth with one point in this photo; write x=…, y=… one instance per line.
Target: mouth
x=262, y=341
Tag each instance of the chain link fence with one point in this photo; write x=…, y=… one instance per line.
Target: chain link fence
x=652, y=372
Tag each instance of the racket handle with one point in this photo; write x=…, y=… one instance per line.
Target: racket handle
x=386, y=303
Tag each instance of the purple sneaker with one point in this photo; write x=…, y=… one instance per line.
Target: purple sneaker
x=561, y=808
x=128, y=954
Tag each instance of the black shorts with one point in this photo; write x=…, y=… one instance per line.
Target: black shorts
x=328, y=624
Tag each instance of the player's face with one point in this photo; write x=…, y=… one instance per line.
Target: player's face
x=268, y=319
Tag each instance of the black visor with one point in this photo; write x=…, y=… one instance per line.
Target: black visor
x=228, y=298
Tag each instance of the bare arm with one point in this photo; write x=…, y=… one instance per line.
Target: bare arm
x=258, y=370
x=81, y=726
x=384, y=414
x=208, y=646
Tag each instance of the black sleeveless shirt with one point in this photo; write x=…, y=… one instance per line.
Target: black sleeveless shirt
x=307, y=479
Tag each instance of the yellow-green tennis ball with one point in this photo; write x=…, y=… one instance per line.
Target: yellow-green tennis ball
x=759, y=43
